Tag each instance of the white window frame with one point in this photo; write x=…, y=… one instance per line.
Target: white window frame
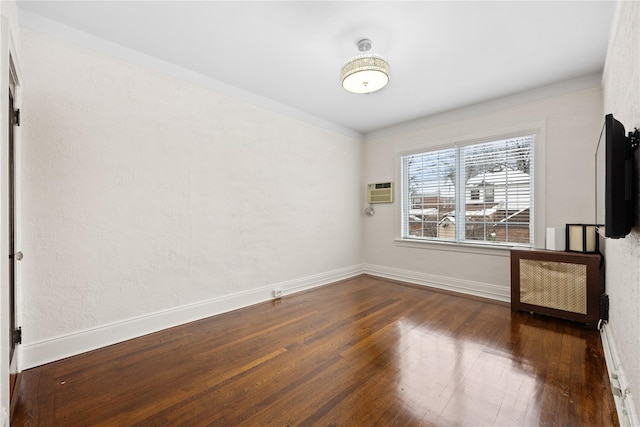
x=537, y=129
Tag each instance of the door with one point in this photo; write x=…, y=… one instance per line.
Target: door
x=13, y=117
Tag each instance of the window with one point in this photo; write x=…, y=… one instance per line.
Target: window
x=480, y=193
x=488, y=193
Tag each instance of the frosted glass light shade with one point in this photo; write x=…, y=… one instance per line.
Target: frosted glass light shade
x=365, y=73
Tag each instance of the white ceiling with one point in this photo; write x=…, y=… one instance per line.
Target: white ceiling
x=443, y=55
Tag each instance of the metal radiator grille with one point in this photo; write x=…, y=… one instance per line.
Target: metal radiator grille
x=558, y=285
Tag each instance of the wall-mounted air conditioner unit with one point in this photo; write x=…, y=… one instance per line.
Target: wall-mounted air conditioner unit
x=380, y=193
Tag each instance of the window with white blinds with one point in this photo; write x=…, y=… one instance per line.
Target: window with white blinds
x=480, y=193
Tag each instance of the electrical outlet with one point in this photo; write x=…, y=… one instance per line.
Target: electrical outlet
x=277, y=293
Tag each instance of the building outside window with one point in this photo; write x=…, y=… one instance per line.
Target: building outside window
x=476, y=193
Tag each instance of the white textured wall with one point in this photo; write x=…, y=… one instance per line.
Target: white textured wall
x=622, y=99
x=142, y=193
x=572, y=121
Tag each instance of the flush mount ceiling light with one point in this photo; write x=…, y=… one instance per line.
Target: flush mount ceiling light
x=365, y=73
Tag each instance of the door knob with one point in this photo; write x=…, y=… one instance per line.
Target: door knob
x=18, y=256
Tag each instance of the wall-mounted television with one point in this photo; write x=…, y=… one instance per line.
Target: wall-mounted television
x=620, y=179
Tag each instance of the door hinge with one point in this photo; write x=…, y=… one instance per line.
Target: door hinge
x=17, y=335
x=16, y=117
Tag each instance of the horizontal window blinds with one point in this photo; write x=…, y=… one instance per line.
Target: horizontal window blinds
x=474, y=193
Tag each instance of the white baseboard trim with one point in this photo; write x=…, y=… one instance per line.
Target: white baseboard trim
x=479, y=289
x=50, y=350
x=46, y=351
x=622, y=397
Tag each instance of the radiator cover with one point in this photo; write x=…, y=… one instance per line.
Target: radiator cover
x=566, y=285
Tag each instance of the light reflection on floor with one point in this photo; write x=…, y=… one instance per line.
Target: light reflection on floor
x=449, y=381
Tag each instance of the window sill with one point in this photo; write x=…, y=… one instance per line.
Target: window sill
x=491, y=250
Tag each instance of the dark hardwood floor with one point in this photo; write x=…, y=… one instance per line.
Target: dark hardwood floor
x=361, y=352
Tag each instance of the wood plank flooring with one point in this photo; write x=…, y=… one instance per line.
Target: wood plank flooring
x=361, y=352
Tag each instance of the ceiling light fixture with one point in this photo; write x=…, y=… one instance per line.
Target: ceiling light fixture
x=365, y=73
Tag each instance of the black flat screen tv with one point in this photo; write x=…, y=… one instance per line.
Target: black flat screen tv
x=620, y=179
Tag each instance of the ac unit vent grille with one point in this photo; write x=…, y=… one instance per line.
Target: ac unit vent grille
x=380, y=192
